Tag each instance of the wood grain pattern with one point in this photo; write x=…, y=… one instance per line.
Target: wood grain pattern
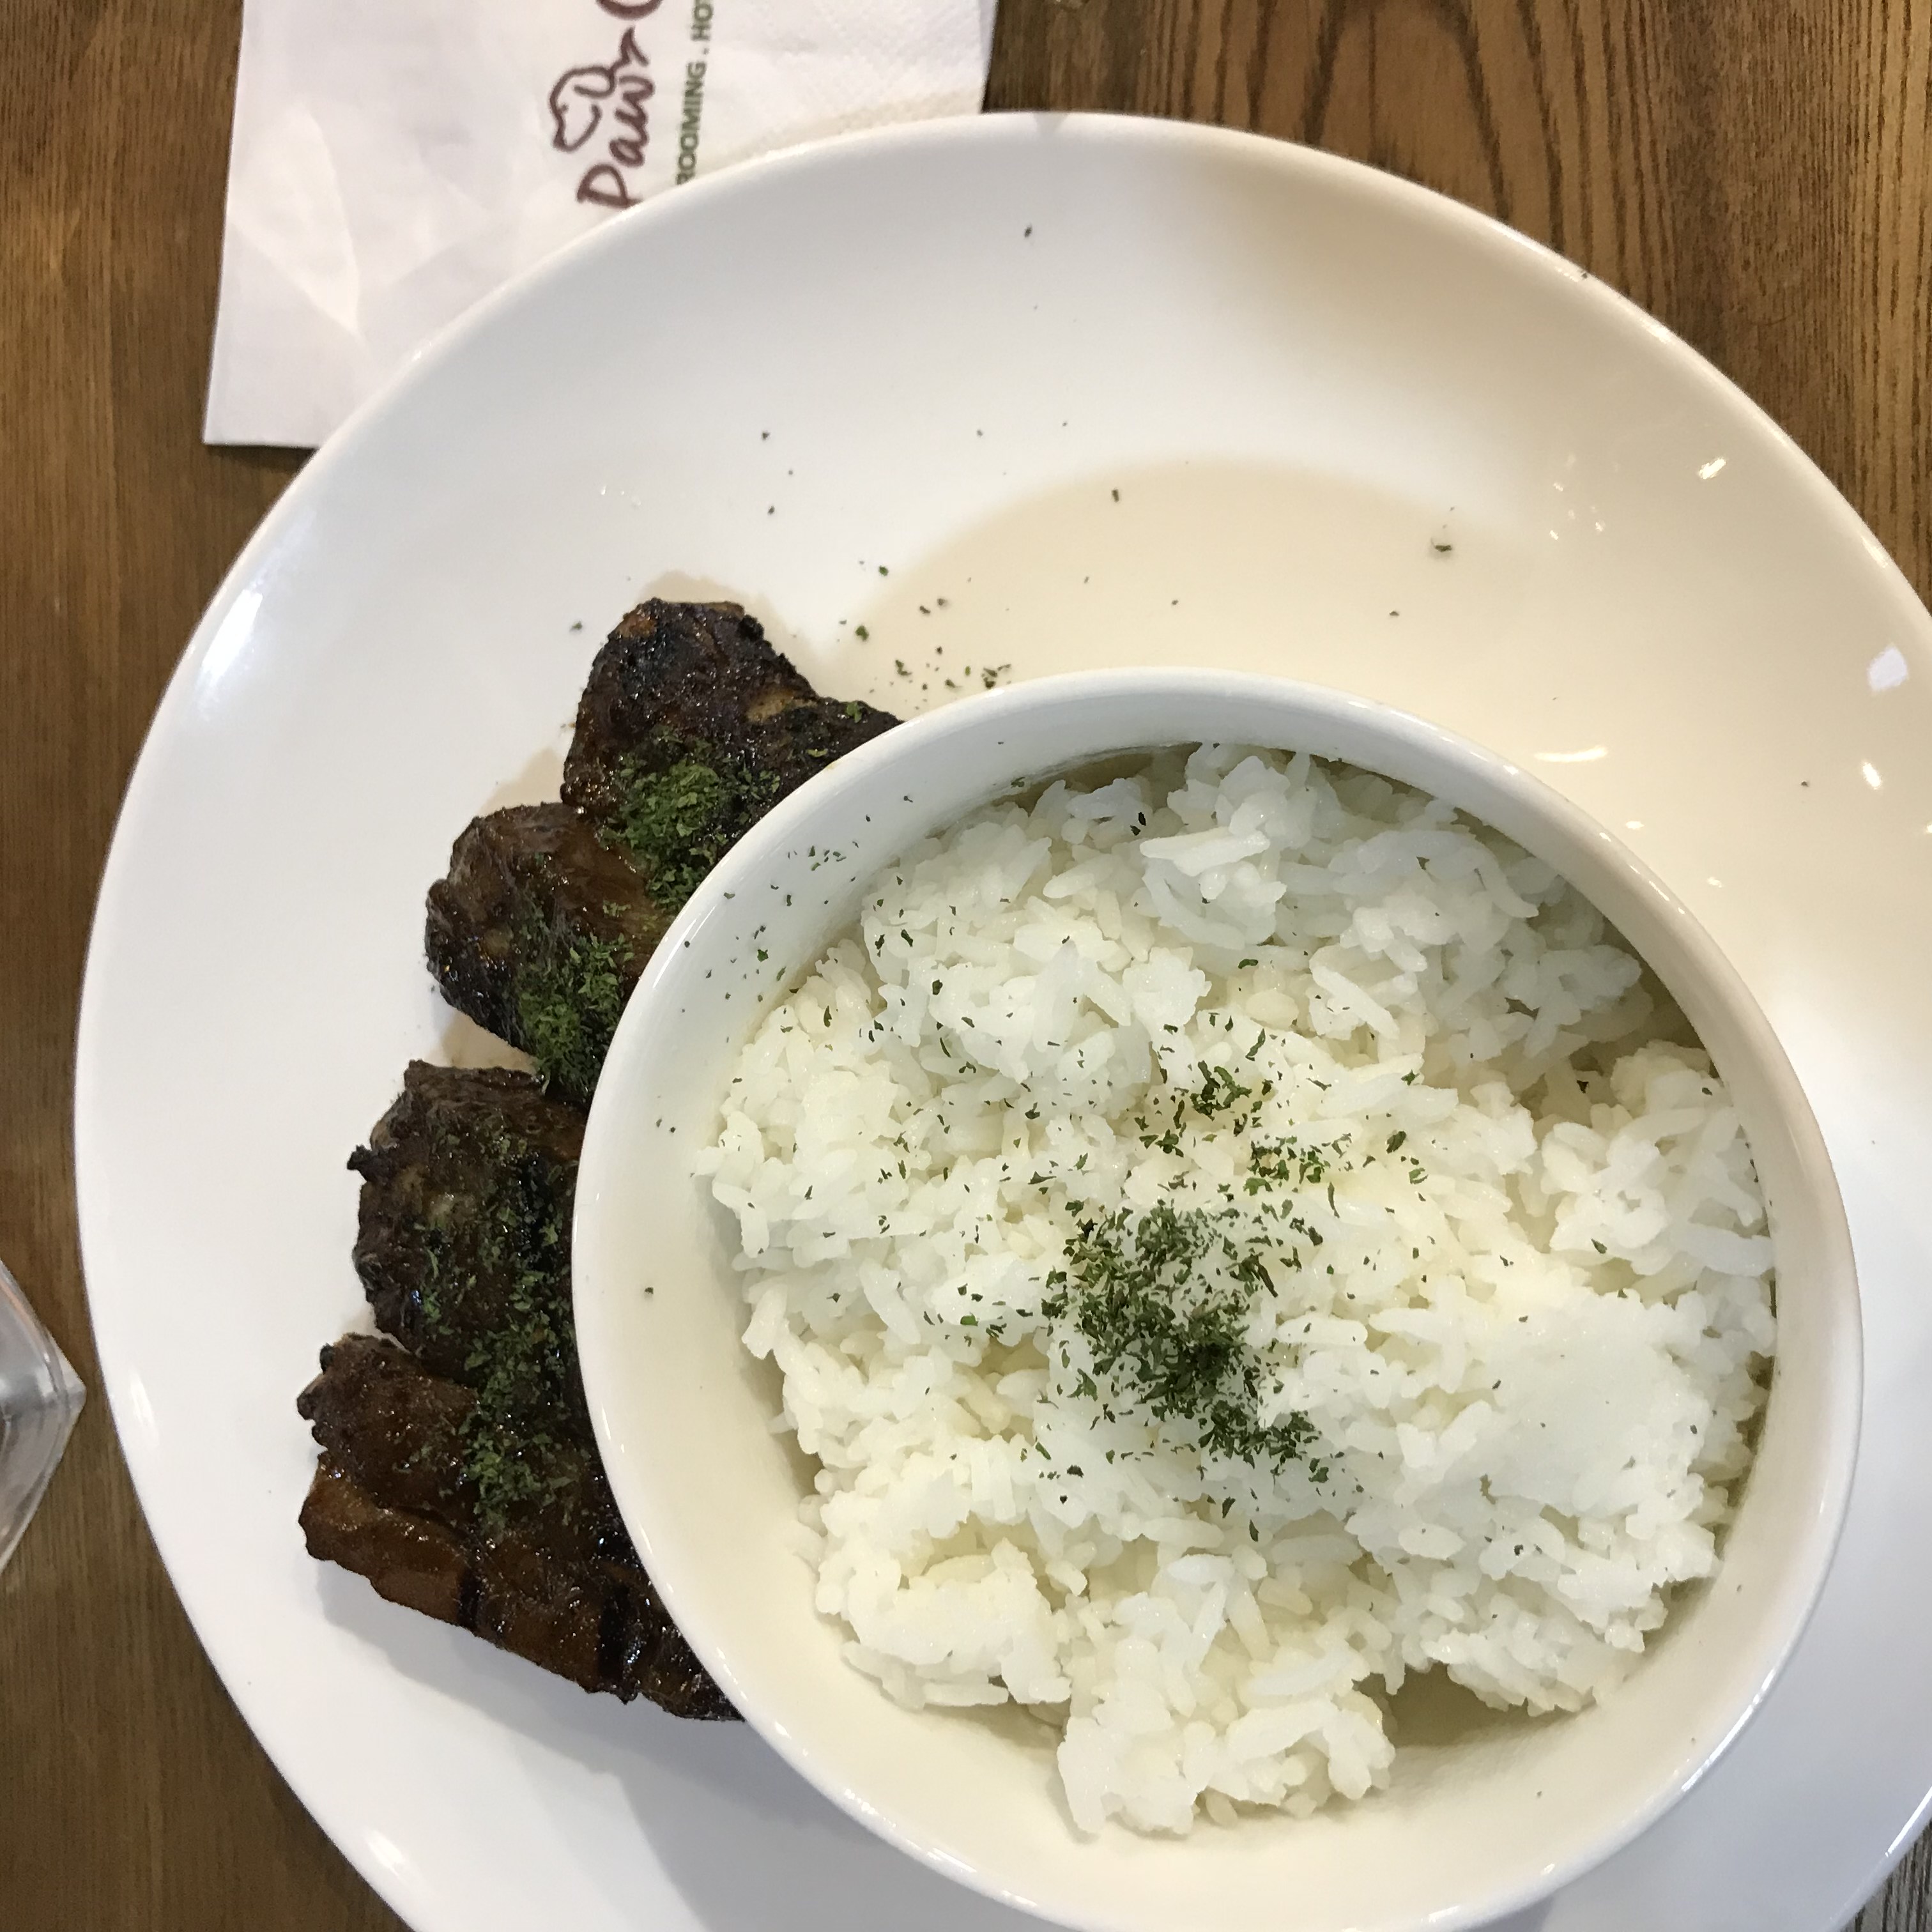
x=130, y=1794
x=1757, y=172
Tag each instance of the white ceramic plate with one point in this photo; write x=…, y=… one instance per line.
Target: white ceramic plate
x=1323, y=397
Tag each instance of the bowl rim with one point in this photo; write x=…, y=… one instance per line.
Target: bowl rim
x=1802, y=1579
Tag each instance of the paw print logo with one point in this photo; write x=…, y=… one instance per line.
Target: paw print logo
x=583, y=97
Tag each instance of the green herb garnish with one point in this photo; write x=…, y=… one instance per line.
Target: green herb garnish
x=677, y=815
x=518, y=1366
x=568, y=994
x=1162, y=1304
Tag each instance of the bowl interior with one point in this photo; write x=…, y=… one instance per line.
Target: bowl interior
x=1481, y=1817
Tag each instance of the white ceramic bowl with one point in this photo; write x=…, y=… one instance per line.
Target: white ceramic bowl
x=1470, y=1828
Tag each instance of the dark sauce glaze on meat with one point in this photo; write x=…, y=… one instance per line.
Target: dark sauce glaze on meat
x=557, y=1582
x=690, y=728
x=458, y=1472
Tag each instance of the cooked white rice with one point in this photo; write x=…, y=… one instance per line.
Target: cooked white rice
x=1522, y=1292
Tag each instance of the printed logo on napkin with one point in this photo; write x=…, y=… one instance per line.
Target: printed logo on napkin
x=394, y=163
x=639, y=115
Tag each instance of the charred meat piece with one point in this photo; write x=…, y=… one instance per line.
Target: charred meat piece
x=464, y=1246
x=462, y=1478
x=554, y=1579
x=410, y=1559
x=462, y=1240
x=463, y=1481
x=538, y=934
x=690, y=728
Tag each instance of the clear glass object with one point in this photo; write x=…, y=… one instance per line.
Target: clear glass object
x=40, y=1398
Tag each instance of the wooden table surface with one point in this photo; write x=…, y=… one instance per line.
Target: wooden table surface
x=1756, y=172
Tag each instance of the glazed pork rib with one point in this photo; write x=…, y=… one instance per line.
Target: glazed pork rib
x=538, y=933
x=461, y=1477
x=463, y=1228
x=692, y=728
x=458, y=1471
x=556, y=1580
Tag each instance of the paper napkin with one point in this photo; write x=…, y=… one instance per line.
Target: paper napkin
x=395, y=159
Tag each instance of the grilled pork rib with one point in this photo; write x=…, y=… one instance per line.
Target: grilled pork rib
x=458, y=1472
x=557, y=1582
x=468, y=1182
x=690, y=728
x=538, y=933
